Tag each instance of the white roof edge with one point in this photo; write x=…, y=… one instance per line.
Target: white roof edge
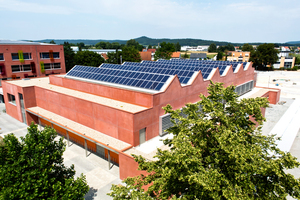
x=195, y=74
x=237, y=68
x=211, y=73
x=247, y=66
x=167, y=83
x=226, y=70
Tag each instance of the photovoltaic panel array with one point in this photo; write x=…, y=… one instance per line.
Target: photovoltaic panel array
x=151, y=75
x=120, y=76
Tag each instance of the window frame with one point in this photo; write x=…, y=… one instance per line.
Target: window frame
x=21, y=68
x=11, y=99
x=2, y=57
x=51, y=66
x=48, y=57
x=14, y=59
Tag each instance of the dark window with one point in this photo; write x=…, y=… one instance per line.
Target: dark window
x=15, y=56
x=20, y=68
x=46, y=55
x=11, y=98
x=51, y=66
x=26, y=56
x=1, y=56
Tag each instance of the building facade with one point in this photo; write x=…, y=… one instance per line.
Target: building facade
x=29, y=59
x=115, y=110
x=284, y=59
x=238, y=56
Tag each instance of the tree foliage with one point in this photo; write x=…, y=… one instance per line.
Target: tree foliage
x=228, y=47
x=69, y=56
x=264, y=55
x=88, y=58
x=216, y=153
x=220, y=55
x=165, y=51
x=131, y=54
x=185, y=55
x=177, y=46
x=247, y=47
x=212, y=47
x=135, y=44
x=33, y=168
x=108, y=45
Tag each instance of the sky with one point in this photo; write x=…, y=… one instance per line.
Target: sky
x=219, y=20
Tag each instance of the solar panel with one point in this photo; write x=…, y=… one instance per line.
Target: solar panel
x=119, y=76
x=149, y=74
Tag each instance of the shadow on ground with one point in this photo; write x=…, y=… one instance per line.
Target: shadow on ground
x=92, y=193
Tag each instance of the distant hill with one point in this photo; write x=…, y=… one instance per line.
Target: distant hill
x=151, y=41
x=294, y=42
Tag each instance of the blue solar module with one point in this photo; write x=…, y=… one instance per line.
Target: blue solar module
x=119, y=76
x=149, y=74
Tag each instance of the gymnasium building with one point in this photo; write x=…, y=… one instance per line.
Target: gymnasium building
x=116, y=110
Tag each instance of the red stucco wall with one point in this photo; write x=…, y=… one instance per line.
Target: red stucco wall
x=35, y=51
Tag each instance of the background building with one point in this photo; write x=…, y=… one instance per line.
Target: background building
x=284, y=59
x=20, y=59
x=238, y=56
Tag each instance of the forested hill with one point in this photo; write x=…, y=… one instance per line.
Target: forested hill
x=151, y=41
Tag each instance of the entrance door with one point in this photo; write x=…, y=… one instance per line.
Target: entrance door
x=22, y=108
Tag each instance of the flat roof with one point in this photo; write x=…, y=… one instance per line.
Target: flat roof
x=79, y=128
x=16, y=42
x=44, y=83
x=256, y=92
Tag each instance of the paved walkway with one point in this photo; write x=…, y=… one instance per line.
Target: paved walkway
x=98, y=175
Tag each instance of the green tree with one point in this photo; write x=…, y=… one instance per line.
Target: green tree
x=220, y=55
x=69, y=56
x=81, y=46
x=100, y=45
x=149, y=46
x=130, y=54
x=135, y=44
x=228, y=47
x=177, y=47
x=52, y=42
x=33, y=168
x=264, y=55
x=164, y=51
x=88, y=58
x=212, y=47
x=247, y=47
x=216, y=153
x=185, y=55
x=114, y=57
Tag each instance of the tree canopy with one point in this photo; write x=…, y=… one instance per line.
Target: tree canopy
x=135, y=44
x=216, y=153
x=108, y=45
x=212, y=47
x=220, y=55
x=177, y=46
x=88, y=58
x=228, y=47
x=33, y=168
x=69, y=56
x=130, y=54
x=165, y=51
x=247, y=47
x=264, y=55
